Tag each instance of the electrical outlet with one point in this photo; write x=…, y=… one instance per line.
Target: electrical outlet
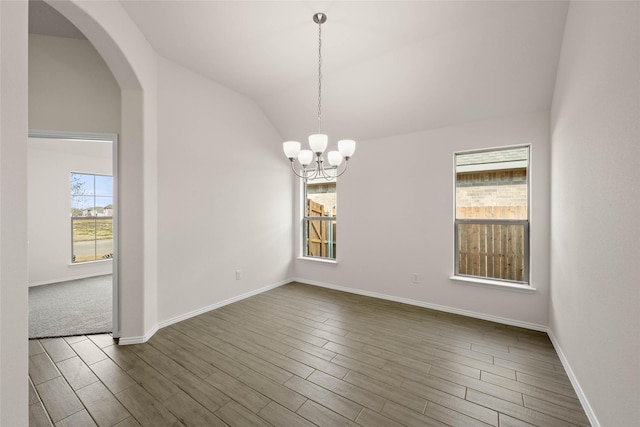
x=238, y=274
x=415, y=278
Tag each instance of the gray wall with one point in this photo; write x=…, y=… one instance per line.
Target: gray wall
x=595, y=237
x=14, y=308
x=224, y=195
x=70, y=87
x=381, y=245
x=50, y=163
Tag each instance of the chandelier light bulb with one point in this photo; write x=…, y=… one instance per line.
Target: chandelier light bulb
x=291, y=149
x=318, y=143
x=347, y=147
x=305, y=157
x=335, y=158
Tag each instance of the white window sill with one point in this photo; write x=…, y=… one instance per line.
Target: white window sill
x=320, y=260
x=97, y=261
x=495, y=284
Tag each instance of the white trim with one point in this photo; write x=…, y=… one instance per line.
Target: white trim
x=496, y=284
x=193, y=313
x=66, y=279
x=138, y=340
x=320, y=260
x=74, y=136
x=574, y=380
x=92, y=262
x=518, y=164
x=453, y=310
x=202, y=310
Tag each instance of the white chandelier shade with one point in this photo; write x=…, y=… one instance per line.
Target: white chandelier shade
x=318, y=142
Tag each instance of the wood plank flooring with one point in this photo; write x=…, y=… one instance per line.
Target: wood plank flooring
x=300, y=355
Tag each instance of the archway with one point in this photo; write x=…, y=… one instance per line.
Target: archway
x=132, y=62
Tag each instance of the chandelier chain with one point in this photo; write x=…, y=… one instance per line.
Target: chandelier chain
x=311, y=162
x=319, y=77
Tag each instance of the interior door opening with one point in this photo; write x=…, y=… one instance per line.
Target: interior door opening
x=73, y=234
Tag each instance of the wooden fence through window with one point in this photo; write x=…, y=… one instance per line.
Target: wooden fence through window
x=321, y=233
x=492, y=250
x=495, y=246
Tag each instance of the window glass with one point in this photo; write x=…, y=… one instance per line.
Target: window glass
x=91, y=217
x=103, y=185
x=319, y=224
x=492, y=211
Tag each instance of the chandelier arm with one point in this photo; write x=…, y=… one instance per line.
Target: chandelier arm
x=326, y=176
x=312, y=176
x=346, y=165
x=303, y=175
x=322, y=172
x=319, y=172
x=307, y=174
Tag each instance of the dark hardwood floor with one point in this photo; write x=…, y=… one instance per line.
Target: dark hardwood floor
x=301, y=355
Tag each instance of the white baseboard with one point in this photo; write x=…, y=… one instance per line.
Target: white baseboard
x=574, y=381
x=202, y=310
x=138, y=340
x=67, y=279
x=185, y=316
x=453, y=310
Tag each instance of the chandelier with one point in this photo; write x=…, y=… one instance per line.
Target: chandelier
x=311, y=163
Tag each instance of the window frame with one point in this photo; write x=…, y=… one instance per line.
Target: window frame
x=306, y=219
x=94, y=218
x=526, y=223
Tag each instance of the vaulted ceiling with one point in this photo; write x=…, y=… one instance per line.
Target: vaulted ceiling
x=389, y=67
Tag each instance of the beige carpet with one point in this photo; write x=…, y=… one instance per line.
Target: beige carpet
x=76, y=307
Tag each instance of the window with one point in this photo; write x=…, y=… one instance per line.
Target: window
x=492, y=214
x=91, y=217
x=319, y=223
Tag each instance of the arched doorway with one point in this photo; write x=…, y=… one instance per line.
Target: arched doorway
x=133, y=64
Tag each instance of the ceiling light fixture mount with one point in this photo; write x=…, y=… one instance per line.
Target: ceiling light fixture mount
x=319, y=18
x=318, y=142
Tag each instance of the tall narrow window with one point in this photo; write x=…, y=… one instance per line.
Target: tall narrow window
x=492, y=214
x=91, y=217
x=319, y=223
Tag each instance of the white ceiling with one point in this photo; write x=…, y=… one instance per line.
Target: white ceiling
x=389, y=67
